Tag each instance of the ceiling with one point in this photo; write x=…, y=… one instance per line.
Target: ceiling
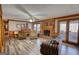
x=37, y=12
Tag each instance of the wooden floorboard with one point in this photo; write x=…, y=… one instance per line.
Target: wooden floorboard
x=32, y=47
x=20, y=47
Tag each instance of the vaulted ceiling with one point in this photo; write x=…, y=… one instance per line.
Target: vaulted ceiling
x=37, y=12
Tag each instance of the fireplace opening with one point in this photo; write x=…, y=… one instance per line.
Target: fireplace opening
x=46, y=32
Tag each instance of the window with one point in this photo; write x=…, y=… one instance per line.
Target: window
x=62, y=30
x=62, y=26
x=37, y=27
x=73, y=31
x=29, y=25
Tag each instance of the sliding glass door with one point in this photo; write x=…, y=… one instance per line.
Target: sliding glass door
x=73, y=31
x=68, y=31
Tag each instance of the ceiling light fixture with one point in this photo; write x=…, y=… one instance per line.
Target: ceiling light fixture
x=31, y=20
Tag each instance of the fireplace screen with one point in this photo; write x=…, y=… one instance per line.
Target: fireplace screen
x=46, y=32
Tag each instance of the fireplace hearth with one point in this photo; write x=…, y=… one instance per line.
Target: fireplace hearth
x=46, y=32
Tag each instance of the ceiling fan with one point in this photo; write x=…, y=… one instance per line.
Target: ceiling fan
x=31, y=17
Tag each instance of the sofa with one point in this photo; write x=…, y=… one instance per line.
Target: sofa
x=23, y=34
x=49, y=48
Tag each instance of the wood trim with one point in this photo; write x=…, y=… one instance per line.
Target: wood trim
x=58, y=27
x=78, y=32
x=1, y=32
x=45, y=20
x=72, y=15
x=0, y=11
x=67, y=32
x=18, y=20
x=67, y=17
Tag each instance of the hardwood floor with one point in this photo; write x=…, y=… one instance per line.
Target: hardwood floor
x=21, y=47
x=32, y=47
